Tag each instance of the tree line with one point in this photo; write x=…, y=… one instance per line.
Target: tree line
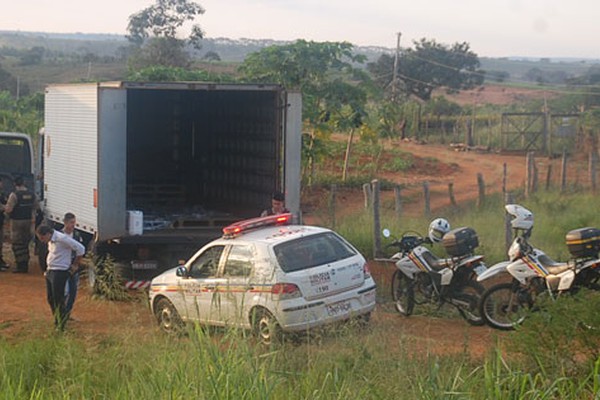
x=342, y=92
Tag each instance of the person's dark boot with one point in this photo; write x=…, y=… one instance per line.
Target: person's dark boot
x=22, y=268
x=3, y=266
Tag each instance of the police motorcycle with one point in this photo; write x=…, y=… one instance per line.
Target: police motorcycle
x=533, y=273
x=421, y=277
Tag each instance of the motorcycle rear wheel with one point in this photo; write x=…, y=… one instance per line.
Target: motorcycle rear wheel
x=504, y=306
x=469, y=298
x=402, y=293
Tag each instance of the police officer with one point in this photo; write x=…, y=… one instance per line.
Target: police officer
x=20, y=206
x=3, y=199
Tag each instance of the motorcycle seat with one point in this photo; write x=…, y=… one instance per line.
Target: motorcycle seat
x=553, y=267
x=435, y=262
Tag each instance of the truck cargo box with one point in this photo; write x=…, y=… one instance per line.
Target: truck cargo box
x=154, y=170
x=583, y=242
x=182, y=153
x=460, y=241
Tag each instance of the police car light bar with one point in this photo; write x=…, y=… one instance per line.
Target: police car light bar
x=248, y=224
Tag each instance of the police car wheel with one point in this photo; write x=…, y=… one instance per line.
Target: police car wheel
x=167, y=317
x=266, y=328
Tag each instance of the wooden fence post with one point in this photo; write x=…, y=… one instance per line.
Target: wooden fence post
x=563, y=173
x=332, y=205
x=376, y=219
x=534, y=182
x=451, y=194
x=398, y=200
x=592, y=170
x=528, y=174
x=426, y=197
x=368, y=194
x=504, y=177
x=481, y=186
x=507, y=228
x=548, y=176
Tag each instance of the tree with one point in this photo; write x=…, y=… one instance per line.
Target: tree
x=333, y=90
x=154, y=31
x=33, y=56
x=22, y=115
x=211, y=56
x=428, y=66
x=166, y=52
x=497, y=76
x=12, y=84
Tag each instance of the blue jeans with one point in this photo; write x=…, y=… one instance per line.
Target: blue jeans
x=72, y=283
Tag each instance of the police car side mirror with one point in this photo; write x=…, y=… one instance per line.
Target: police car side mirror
x=181, y=272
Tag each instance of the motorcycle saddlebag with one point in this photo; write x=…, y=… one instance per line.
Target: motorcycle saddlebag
x=460, y=241
x=583, y=242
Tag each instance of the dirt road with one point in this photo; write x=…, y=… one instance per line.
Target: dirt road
x=26, y=315
x=438, y=165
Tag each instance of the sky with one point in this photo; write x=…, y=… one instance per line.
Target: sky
x=492, y=28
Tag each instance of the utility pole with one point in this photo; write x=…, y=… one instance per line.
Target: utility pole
x=395, y=72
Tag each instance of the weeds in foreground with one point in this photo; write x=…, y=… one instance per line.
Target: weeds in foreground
x=348, y=363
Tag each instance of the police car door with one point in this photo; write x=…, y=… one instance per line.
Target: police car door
x=238, y=265
x=200, y=294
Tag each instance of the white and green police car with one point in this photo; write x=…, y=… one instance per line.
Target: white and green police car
x=266, y=275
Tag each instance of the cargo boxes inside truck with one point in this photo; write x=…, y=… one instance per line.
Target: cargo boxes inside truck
x=185, y=155
x=583, y=242
x=460, y=241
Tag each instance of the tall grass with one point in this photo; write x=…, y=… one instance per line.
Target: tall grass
x=348, y=364
x=553, y=355
x=555, y=214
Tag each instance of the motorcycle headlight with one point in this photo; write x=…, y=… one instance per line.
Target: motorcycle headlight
x=515, y=252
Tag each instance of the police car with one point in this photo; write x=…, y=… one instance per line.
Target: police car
x=269, y=276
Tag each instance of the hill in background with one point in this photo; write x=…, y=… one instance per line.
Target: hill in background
x=76, y=57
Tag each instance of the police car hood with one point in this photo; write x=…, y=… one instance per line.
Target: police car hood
x=168, y=276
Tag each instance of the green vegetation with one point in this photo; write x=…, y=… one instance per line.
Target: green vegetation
x=555, y=214
x=553, y=355
x=108, y=283
x=343, y=363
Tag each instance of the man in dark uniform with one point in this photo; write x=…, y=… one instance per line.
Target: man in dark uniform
x=20, y=206
x=3, y=199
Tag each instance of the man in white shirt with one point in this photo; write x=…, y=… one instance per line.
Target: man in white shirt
x=60, y=267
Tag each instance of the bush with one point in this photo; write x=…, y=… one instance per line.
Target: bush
x=108, y=283
x=561, y=339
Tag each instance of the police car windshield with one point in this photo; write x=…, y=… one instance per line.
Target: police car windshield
x=311, y=251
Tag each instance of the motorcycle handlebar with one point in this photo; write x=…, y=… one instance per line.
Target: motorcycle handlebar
x=407, y=243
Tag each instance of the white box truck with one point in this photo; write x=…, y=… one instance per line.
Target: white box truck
x=153, y=170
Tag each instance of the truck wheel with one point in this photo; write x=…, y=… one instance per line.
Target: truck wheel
x=167, y=317
x=266, y=327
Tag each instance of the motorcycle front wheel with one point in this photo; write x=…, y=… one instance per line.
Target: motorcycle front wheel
x=402, y=293
x=467, y=301
x=504, y=306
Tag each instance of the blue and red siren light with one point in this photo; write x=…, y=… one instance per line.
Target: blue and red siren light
x=240, y=227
